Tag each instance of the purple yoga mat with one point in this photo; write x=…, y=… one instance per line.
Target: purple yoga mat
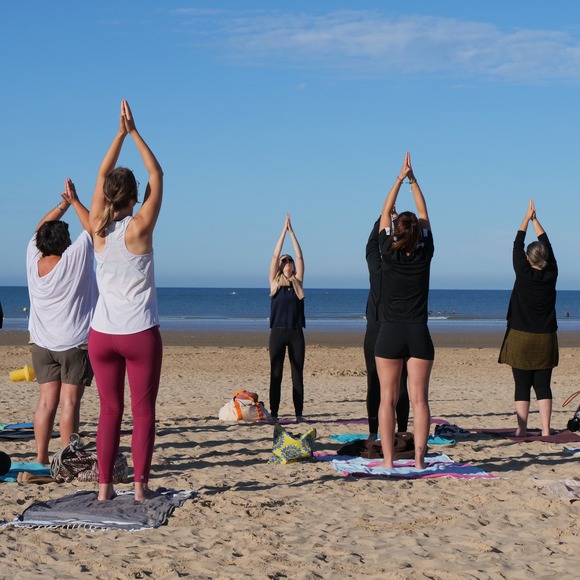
x=564, y=436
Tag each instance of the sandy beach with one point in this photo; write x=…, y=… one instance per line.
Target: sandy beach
x=254, y=519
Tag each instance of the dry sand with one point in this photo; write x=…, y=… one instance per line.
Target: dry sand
x=253, y=519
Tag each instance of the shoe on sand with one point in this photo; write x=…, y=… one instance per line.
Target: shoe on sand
x=25, y=477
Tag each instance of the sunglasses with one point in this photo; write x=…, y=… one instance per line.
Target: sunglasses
x=287, y=260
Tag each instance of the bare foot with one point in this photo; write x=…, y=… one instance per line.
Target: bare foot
x=143, y=492
x=106, y=492
x=384, y=465
x=372, y=437
x=520, y=433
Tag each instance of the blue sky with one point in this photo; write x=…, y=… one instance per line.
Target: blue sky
x=255, y=109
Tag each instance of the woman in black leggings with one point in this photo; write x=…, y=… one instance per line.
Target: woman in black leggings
x=287, y=321
x=530, y=345
x=374, y=263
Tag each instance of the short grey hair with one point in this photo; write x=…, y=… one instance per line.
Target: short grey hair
x=537, y=253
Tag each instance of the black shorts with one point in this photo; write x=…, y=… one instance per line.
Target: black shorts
x=400, y=340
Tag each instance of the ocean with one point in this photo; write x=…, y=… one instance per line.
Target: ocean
x=191, y=309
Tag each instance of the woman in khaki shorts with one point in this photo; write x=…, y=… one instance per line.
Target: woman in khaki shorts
x=62, y=289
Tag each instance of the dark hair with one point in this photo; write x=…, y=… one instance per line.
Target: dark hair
x=52, y=238
x=406, y=232
x=537, y=253
x=119, y=189
x=281, y=266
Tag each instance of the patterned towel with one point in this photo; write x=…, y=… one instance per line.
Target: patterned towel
x=436, y=466
x=83, y=510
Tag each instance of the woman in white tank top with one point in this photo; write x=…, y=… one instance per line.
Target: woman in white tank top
x=124, y=333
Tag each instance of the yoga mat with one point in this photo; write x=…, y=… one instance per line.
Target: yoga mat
x=564, y=436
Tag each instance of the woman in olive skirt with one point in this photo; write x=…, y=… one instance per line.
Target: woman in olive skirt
x=530, y=345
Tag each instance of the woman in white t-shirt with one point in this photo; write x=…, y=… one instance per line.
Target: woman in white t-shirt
x=62, y=290
x=124, y=335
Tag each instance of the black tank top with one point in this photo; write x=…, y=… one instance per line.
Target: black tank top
x=286, y=309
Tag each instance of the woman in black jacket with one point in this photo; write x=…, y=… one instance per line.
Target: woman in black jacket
x=530, y=345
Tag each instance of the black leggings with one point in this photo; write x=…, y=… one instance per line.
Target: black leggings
x=293, y=338
x=374, y=385
x=525, y=380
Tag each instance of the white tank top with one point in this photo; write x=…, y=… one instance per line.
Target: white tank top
x=127, y=297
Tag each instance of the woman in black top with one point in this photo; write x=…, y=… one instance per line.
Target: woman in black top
x=530, y=345
x=406, y=252
x=287, y=322
x=374, y=263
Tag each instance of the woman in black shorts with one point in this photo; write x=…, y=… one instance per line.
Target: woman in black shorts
x=406, y=252
x=530, y=345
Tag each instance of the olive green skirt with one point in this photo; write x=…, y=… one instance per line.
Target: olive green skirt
x=529, y=351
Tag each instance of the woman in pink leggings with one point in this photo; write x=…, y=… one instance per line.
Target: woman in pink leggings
x=124, y=334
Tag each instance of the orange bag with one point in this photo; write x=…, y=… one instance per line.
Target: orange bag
x=244, y=406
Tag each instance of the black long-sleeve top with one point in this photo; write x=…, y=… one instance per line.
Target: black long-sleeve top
x=532, y=306
x=373, y=253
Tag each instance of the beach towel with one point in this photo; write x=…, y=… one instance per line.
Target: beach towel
x=564, y=436
x=83, y=510
x=436, y=466
x=19, y=467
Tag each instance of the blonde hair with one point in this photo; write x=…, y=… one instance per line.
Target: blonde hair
x=119, y=189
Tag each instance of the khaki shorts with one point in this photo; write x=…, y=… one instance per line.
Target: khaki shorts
x=68, y=366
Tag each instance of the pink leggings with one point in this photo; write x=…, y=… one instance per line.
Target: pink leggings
x=140, y=355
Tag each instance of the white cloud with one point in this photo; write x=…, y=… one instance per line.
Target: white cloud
x=371, y=43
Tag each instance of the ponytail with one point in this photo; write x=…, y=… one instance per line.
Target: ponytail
x=119, y=189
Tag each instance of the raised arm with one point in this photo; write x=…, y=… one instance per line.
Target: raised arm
x=299, y=259
x=69, y=197
x=530, y=215
x=538, y=229
x=274, y=263
x=390, y=201
x=418, y=197
x=146, y=218
x=108, y=163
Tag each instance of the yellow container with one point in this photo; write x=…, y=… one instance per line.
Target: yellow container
x=24, y=374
